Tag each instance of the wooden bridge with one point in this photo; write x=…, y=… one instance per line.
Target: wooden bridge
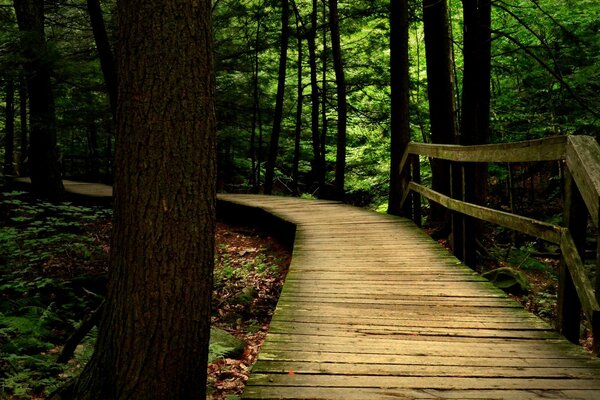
x=372, y=308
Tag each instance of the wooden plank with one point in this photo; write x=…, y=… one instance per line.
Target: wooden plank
x=371, y=329
x=486, y=358
x=439, y=383
x=462, y=371
x=375, y=360
x=334, y=393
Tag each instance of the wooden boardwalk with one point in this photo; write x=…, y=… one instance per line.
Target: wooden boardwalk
x=372, y=308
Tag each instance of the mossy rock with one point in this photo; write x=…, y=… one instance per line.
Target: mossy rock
x=224, y=345
x=508, y=279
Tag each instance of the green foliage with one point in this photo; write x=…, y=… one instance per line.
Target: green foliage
x=40, y=306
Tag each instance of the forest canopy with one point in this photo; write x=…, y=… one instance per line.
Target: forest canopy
x=544, y=81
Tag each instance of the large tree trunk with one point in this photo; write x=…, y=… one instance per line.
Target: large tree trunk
x=477, y=70
x=154, y=333
x=440, y=90
x=475, y=106
x=318, y=168
x=400, y=128
x=107, y=63
x=46, y=180
x=9, y=128
x=274, y=144
x=340, y=161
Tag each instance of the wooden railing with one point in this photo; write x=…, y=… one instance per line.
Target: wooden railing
x=581, y=157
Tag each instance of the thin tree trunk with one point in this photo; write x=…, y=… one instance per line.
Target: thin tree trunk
x=400, y=129
x=299, y=103
x=324, y=89
x=275, y=133
x=154, y=332
x=441, y=94
x=255, y=106
x=9, y=128
x=105, y=54
x=93, y=164
x=24, y=145
x=340, y=161
x=318, y=170
x=46, y=180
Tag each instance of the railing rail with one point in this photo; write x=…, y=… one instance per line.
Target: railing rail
x=581, y=155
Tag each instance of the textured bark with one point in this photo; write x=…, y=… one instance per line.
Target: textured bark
x=154, y=332
x=24, y=144
x=400, y=128
x=299, y=103
x=318, y=168
x=340, y=79
x=46, y=180
x=324, y=89
x=107, y=63
x=440, y=91
x=275, y=133
x=9, y=129
x=476, y=81
x=256, y=114
x=475, y=123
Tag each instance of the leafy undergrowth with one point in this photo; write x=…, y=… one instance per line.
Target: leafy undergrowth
x=53, y=265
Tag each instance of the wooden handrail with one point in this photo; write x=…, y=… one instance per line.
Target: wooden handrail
x=546, y=149
x=583, y=161
x=543, y=230
x=582, y=158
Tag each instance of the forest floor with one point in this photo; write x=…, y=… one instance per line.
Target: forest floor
x=53, y=266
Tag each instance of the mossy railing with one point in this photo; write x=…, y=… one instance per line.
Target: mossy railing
x=581, y=158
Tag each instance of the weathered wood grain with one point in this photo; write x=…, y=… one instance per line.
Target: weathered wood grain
x=539, y=229
x=546, y=149
x=374, y=309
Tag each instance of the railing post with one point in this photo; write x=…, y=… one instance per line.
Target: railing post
x=569, y=305
x=416, y=197
x=457, y=192
x=470, y=230
x=596, y=322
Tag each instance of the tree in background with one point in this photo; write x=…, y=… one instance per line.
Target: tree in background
x=154, y=332
x=475, y=125
x=274, y=147
x=400, y=129
x=105, y=55
x=9, y=128
x=440, y=90
x=342, y=105
x=318, y=166
x=46, y=179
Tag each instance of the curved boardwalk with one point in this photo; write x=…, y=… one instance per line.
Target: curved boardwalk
x=372, y=308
